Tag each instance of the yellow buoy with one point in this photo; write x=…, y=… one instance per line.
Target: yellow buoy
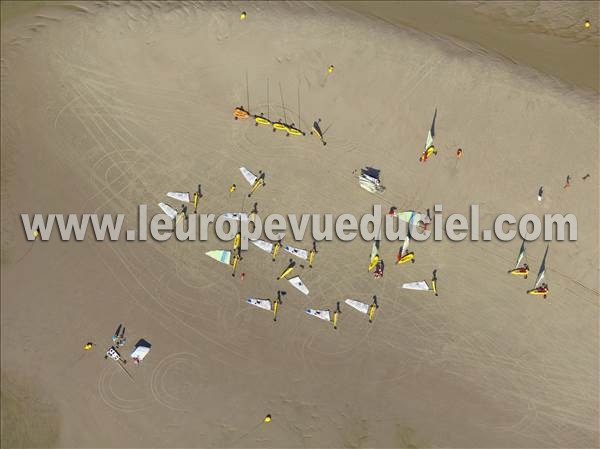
x=232, y=188
x=267, y=418
x=330, y=69
x=243, y=15
x=88, y=346
x=587, y=24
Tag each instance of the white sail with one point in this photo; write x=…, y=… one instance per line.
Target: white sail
x=301, y=253
x=404, y=250
x=297, y=282
x=431, y=133
x=172, y=213
x=236, y=216
x=521, y=255
x=360, y=306
x=265, y=246
x=542, y=272
x=323, y=314
x=375, y=249
x=368, y=183
x=429, y=143
x=540, y=278
x=248, y=175
x=410, y=217
x=419, y=285
x=262, y=303
x=181, y=196
x=219, y=255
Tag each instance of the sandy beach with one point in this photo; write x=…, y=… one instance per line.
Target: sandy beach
x=106, y=106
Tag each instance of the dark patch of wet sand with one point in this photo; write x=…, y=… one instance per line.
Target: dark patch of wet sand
x=554, y=41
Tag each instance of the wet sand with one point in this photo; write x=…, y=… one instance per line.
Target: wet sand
x=547, y=36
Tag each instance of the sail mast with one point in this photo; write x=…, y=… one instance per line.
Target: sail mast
x=282, y=104
x=247, y=91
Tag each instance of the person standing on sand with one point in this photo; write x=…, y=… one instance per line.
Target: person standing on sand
x=568, y=182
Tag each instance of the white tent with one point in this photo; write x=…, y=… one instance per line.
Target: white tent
x=139, y=353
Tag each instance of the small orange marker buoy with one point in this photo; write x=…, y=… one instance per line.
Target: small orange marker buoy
x=587, y=24
x=243, y=15
x=267, y=419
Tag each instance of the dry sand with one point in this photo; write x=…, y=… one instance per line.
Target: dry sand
x=105, y=107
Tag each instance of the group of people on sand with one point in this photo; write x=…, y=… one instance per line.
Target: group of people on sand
x=405, y=256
